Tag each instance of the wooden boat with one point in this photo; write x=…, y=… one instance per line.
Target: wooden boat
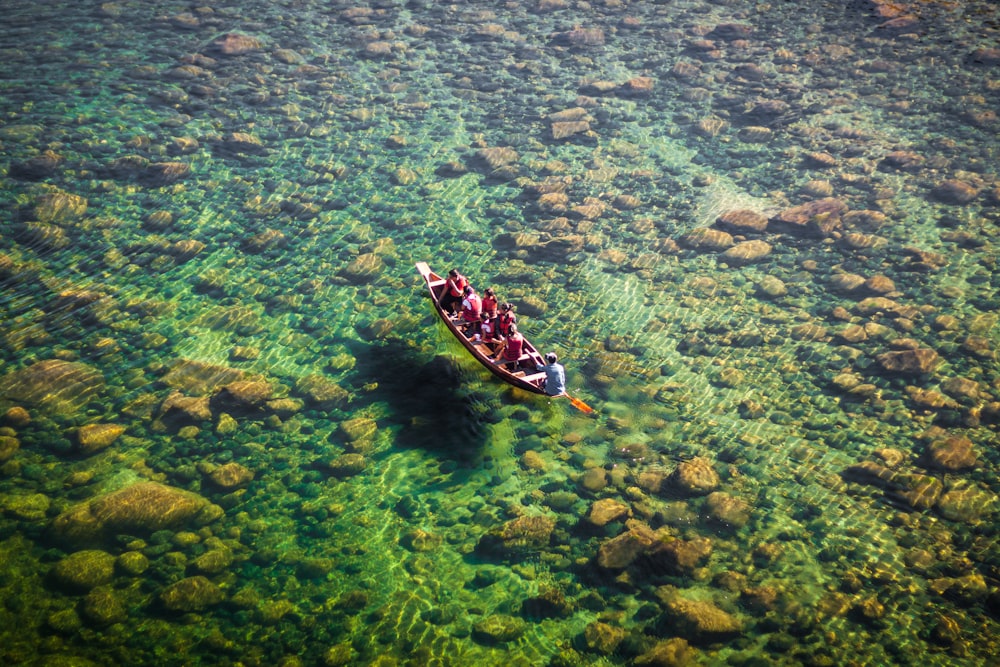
x=529, y=380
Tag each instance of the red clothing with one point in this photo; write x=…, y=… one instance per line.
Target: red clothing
x=515, y=343
x=456, y=286
x=490, y=305
x=471, y=307
x=488, y=330
x=504, y=320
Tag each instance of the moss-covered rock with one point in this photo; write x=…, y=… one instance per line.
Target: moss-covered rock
x=92, y=438
x=84, y=570
x=140, y=509
x=191, y=594
x=498, y=629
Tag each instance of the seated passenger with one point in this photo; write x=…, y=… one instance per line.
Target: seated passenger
x=454, y=289
x=472, y=308
x=506, y=319
x=490, y=302
x=510, y=352
x=488, y=333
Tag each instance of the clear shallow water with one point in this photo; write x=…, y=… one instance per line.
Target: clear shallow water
x=358, y=149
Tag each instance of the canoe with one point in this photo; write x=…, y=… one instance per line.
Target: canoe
x=527, y=380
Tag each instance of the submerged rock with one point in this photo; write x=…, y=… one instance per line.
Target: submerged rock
x=915, y=491
x=191, y=594
x=706, y=238
x=498, y=629
x=619, y=552
x=231, y=476
x=951, y=453
x=92, y=438
x=606, y=510
x=742, y=221
x=694, y=477
x=747, y=252
x=519, y=534
x=701, y=620
x=235, y=44
x=55, y=386
x=818, y=218
x=84, y=570
x=909, y=362
x=140, y=509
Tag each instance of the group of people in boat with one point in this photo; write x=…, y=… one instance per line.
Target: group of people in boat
x=494, y=325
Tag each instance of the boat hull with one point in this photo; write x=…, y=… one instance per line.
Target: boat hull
x=528, y=380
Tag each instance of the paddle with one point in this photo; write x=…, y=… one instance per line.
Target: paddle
x=579, y=405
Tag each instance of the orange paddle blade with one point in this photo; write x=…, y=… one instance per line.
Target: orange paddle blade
x=580, y=405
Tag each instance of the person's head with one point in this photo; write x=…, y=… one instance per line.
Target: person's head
x=468, y=290
x=551, y=357
x=486, y=316
x=513, y=328
x=507, y=307
x=489, y=292
x=453, y=273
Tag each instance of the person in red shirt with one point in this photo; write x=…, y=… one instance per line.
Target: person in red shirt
x=510, y=353
x=488, y=332
x=472, y=308
x=506, y=319
x=490, y=302
x=454, y=290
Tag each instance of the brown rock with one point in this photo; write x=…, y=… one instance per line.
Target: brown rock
x=674, y=652
x=606, y=510
x=742, y=221
x=594, y=479
x=498, y=156
x=695, y=477
x=17, y=417
x=92, y=438
x=185, y=409
x=59, y=207
x=619, y=552
x=191, y=594
x=909, y=362
x=955, y=192
x=322, y=392
x=728, y=510
x=815, y=218
x=521, y=533
x=965, y=503
x=84, y=570
x=143, y=508
x=246, y=394
x=680, y=557
x=196, y=378
x=348, y=465
x=602, y=638
x=706, y=238
x=235, y=44
x=564, y=129
x=580, y=37
x=952, y=453
x=231, y=476
x=917, y=491
x=363, y=269
x=747, y=252
x=701, y=620
x=53, y=385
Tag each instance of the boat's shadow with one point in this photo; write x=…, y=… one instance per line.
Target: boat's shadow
x=437, y=402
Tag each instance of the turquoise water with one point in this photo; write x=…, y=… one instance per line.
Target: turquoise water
x=234, y=433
